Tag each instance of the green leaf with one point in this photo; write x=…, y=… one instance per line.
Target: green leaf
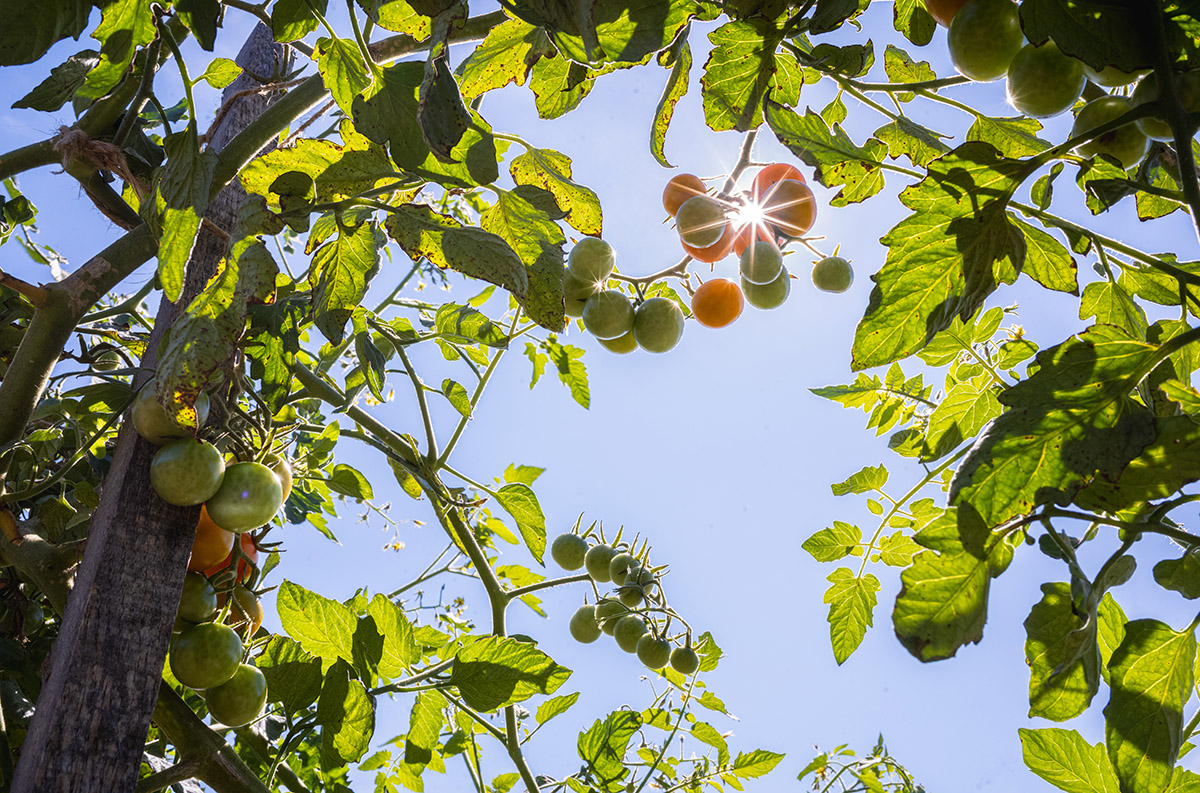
x=555, y=706
x=1012, y=137
x=294, y=19
x=30, y=29
x=602, y=747
x=441, y=113
x=388, y=111
x=1110, y=631
x=627, y=31
x=744, y=65
x=1115, y=38
x=1060, y=688
x=1160, y=470
x=346, y=714
x=851, y=602
x=906, y=138
x=838, y=161
x=571, y=370
x=538, y=241
x=343, y=70
x=525, y=474
x=944, y=259
x=1181, y=575
x=1110, y=304
x=751, y=765
x=340, y=274
x=551, y=170
x=679, y=59
x=338, y=171
x=1047, y=260
x=201, y=18
x=425, y=725
x=349, y=482
x=518, y=500
x=399, y=16
x=57, y=89
x=898, y=549
x=466, y=325
x=400, y=652
x=911, y=19
x=836, y=542
x=1064, y=759
x=323, y=627
x=497, y=671
x=1157, y=174
x=706, y=733
x=901, y=68
x=457, y=396
x=184, y=188
x=506, y=55
x=559, y=85
x=1151, y=678
x=125, y=26
x=942, y=603
x=1069, y=422
x=220, y=73
x=293, y=675
x=962, y=413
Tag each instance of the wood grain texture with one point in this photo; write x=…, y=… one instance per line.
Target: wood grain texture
x=90, y=725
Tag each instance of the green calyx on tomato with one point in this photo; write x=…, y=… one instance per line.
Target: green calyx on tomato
x=249, y=496
x=205, y=655
x=187, y=472
x=151, y=421
x=241, y=699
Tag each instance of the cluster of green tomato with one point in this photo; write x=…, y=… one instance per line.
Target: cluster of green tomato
x=987, y=42
x=655, y=325
x=207, y=655
x=188, y=471
x=624, y=616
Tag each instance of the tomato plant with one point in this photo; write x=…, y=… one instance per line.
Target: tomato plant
x=790, y=207
x=653, y=651
x=679, y=189
x=152, y=421
x=244, y=570
x=943, y=10
x=239, y=700
x=608, y=314
x=205, y=655
x=832, y=274
x=628, y=631
x=701, y=221
x=211, y=545
x=592, y=260
x=568, y=551
x=761, y=263
x=1126, y=144
x=984, y=37
x=249, y=496
x=187, y=472
x=658, y=325
x=717, y=302
x=198, y=602
x=768, y=296
x=1043, y=82
x=583, y=625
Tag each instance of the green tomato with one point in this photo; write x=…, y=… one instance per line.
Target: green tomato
x=770, y=295
x=684, y=659
x=240, y=700
x=609, y=613
x=832, y=274
x=569, y=551
x=657, y=325
x=591, y=260
x=187, y=472
x=205, y=655
x=628, y=631
x=107, y=361
x=653, y=651
x=608, y=314
x=1187, y=86
x=1127, y=144
x=576, y=292
x=761, y=263
x=1111, y=76
x=583, y=625
x=700, y=221
x=198, y=602
x=1043, y=82
x=151, y=421
x=984, y=37
x=622, y=345
x=620, y=567
x=596, y=561
x=631, y=595
x=249, y=496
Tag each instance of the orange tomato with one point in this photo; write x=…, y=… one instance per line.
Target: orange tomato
x=791, y=208
x=244, y=570
x=944, y=10
x=212, y=544
x=752, y=232
x=717, y=302
x=680, y=189
x=715, y=252
x=771, y=175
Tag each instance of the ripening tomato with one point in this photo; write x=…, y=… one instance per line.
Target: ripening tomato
x=771, y=175
x=943, y=10
x=680, y=189
x=715, y=252
x=212, y=544
x=244, y=570
x=717, y=302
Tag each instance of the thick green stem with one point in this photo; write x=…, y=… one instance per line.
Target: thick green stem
x=1171, y=107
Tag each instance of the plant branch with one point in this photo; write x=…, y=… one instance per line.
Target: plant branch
x=550, y=582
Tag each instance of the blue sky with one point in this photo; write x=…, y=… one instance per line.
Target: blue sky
x=716, y=451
